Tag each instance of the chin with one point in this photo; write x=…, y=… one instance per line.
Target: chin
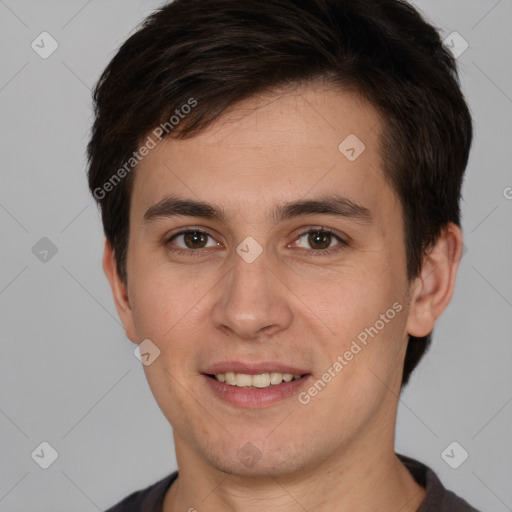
x=258, y=459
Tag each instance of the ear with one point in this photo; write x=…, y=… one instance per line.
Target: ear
x=119, y=291
x=432, y=290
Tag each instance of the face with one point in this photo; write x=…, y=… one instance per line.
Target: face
x=260, y=251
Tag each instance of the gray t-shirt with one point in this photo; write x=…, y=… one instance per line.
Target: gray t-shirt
x=437, y=498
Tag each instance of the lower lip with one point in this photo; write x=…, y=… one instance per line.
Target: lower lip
x=252, y=398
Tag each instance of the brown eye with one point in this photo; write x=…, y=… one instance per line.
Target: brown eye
x=192, y=239
x=319, y=239
x=195, y=239
x=319, y=242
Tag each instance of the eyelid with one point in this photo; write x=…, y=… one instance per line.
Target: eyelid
x=186, y=229
x=313, y=229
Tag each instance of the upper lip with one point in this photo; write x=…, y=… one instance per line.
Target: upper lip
x=252, y=368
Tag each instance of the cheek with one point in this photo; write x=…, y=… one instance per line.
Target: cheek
x=349, y=298
x=157, y=304
x=368, y=371
x=169, y=305
x=365, y=311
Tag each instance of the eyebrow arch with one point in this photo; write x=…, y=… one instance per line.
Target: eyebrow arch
x=171, y=206
x=335, y=205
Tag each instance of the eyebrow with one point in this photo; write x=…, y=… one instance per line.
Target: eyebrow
x=334, y=205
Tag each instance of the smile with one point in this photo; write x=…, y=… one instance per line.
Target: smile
x=259, y=381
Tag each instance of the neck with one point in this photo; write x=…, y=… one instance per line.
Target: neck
x=361, y=478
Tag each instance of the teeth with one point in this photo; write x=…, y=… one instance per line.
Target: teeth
x=260, y=381
x=243, y=380
x=263, y=380
x=276, y=378
x=230, y=378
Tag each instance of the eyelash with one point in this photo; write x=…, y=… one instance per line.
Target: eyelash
x=307, y=252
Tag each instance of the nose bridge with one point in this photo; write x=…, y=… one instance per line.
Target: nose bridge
x=252, y=300
x=250, y=277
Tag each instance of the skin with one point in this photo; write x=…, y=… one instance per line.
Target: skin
x=289, y=305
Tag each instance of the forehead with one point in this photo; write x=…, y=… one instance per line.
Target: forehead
x=272, y=148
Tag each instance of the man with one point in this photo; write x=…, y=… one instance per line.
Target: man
x=279, y=184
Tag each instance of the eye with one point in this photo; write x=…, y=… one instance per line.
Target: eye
x=192, y=239
x=316, y=241
x=319, y=240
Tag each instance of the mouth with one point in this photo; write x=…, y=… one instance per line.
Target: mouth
x=258, y=381
x=249, y=385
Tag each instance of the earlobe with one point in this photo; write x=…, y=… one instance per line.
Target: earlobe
x=432, y=290
x=119, y=291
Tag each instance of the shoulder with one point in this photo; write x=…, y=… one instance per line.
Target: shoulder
x=437, y=498
x=149, y=499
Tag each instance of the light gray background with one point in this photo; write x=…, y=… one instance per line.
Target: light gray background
x=68, y=374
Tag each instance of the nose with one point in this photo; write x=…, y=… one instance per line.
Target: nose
x=252, y=301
